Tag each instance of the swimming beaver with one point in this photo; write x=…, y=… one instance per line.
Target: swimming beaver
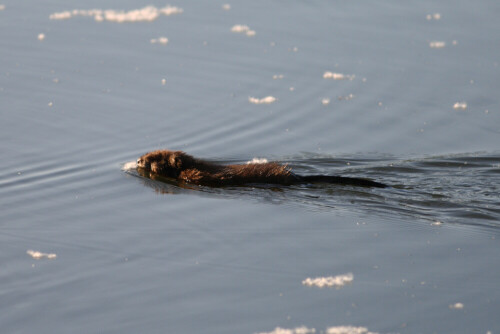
x=183, y=167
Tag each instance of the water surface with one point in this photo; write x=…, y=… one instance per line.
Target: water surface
x=405, y=94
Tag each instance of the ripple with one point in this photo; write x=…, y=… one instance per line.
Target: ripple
x=449, y=190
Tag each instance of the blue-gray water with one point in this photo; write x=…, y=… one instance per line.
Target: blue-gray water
x=135, y=255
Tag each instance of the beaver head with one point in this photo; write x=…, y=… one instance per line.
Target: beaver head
x=166, y=163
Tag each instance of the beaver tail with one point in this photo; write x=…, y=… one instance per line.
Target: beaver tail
x=352, y=181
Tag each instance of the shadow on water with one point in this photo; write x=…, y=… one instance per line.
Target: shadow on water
x=457, y=189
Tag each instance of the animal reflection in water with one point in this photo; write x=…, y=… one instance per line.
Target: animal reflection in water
x=185, y=169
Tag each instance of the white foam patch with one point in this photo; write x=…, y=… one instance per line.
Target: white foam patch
x=226, y=6
x=331, y=281
x=329, y=330
x=460, y=106
x=435, y=16
x=41, y=37
x=148, y=13
x=348, y=330
x=2, y=7
x=159, y=40
x=39, y=255
x=264, y=100
x=457, y=306
x=243, y=29
x=297, y=330
x=338, y=76
x=130, y=165
x=325, y=101
x=437, y=44
x=257, y=161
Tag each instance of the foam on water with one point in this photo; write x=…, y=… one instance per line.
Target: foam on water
x=159, y=40
x=456, y=306
x=148, y=13
x=338, y=76
x=297, y=330
x=435, y=16
x=330, y=281
x=39, y=255
x=460, y=106
x=437, y=44
x=348, y=330
x=243, y=29
x=329, y=330
x=264, y=100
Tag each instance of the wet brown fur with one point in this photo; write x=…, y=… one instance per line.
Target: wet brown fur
x=185, y=168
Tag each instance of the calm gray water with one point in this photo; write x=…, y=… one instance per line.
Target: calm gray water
x=406, y=94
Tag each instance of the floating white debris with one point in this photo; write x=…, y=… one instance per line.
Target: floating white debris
x=325, y=101
x=437, y=44
x=338, y=76
x=460, y=106
x=50, y=104
x=435, y=16
x=148, y=13
x=243, y=29
x=457, y=306
x=278, y=76
x=163, y=81
x=41, y=37
x=336, y=281
x=226, y=6
x=257, y=161
x=436, y=223
x=171, y=10
x=60, y=16
x=240, y=28
x=329, y=330
x=264, y=100
x=159, y=40
x=39, y=255
x=347, y=330
x=130, y=165
x=2, y=7
x=297, y=330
